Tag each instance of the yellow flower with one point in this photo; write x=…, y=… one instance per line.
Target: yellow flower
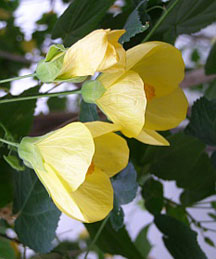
x=146, y=97
x=99, y=51
x=75, y=163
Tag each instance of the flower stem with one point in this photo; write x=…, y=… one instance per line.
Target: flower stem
x=103, y=224
x=162, y=18
x=9, y=142
x=31, y=97
x=16, y=78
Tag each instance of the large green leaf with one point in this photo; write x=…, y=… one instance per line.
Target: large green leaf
x=203, y=121
x=114, y=242
x=187, y=17
x=6, y=186
x=210, y=66
x=80, y=18
x=17, y=117
x=38, y=216
x=133, y=25
x=125, y=185
x=88, y=112
x=142, y=243
x=184, y=161
x=152, y=192
x=178, y=238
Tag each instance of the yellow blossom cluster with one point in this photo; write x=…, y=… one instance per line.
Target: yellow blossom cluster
x=140, y=95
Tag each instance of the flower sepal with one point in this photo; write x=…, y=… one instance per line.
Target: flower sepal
x=29, y=153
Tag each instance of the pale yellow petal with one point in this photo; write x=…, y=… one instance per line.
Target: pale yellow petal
x=151, y=137
x=95, y=196
x=84, y=57
x=98, y=128
x=124, y=103
x=91, y=202
x=166, y=112
x=111, y=153
x=69, y=151
x=113, y=37
x=159, y=64
x=60, y=191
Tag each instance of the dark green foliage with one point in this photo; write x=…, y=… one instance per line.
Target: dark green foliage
x=210, y=67
x=142, y=243
x=21, y=114
x=203, y=121
x=187, y=17
x=38, y=216
x=152, y=192
x=80, y=18
x=114, y=242
x=88, y=112
x=178, y=238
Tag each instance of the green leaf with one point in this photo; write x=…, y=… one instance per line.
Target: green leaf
x=142, y=243
x=213, y=204
x=210, y=66
x=187, y=17
x=152, y=192
x=125, y=185
x=38, y=216
x=203, y=121
x=112, y=242
x=79, y=19
x=88, y=112
x=56, y=104
x=178, y=238
x=177, y=212
x=21, y=114
x=117, y=215
x=209, y=241
x=195, y=56
x=14, y=162
x=7, y=250
x=6, y=186
x=186, y=162
x=210, y=92
x=133, y=25
x=213, y=216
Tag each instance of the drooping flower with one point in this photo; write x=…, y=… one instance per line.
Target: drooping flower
x=75, y=163
x=146, y=97
x=99, y=51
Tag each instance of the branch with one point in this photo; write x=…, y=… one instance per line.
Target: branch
x=15, y=57
x=196, y=77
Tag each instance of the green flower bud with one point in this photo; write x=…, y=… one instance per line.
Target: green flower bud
x=92, y=90
x=49, y=69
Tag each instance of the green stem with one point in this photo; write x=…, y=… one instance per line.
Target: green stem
x=155, y=7
x=31, y=97
x=9, y=142
x=16, y=78
x=162, y=18
x=103, y=224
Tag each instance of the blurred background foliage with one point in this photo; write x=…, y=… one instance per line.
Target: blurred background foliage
x=28, y=218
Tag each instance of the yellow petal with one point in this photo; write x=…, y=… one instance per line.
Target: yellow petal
x=124, y=103
x=166, y=112
x=84, y=57
x=91, y=202
x=111, y=153
x=151, y=137
x=69, y=151
x=60, y=191
x=98, y=128
x=114, y=47
x=95, y=196
x=159, y=64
